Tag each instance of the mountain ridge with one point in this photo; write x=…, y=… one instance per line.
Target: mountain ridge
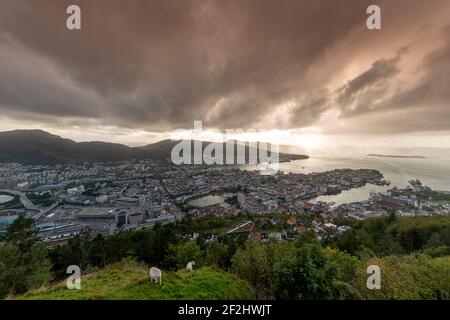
x=38, y=147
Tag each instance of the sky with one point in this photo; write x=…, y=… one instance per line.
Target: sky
x=300, y=72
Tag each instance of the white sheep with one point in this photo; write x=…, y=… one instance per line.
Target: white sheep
x=155, y=274
x=190, y=266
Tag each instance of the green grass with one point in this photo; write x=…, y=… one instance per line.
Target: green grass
x=441, y=202
x=420, y=223
x=415, y=277
x=126, y=281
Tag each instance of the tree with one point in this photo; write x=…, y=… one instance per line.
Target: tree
x=164, y=235
x=24, y=262
x=74, y=252
x=22, y=234
x=217, y=254
x=308, y=273
x=306, y=237
x=97, y=254
x=254, y=263
x=12, y=272
x=181, y=254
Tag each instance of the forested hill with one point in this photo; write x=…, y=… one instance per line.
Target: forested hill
x=41, y=148
x=412, y=253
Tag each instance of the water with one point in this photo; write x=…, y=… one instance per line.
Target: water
x=353, y=195
x=206, y=201
x=432, y=172
x=5, y=198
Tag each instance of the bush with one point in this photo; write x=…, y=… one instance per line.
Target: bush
x=311, y=273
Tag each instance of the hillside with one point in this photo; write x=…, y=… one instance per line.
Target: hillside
x=126, y=281
x=38, y=147
x=413, y=277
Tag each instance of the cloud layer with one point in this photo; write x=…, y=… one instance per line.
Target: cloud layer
x=159, y=65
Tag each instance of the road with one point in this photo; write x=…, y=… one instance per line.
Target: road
x=29, y=205
x=43, y=212
x=23, y=198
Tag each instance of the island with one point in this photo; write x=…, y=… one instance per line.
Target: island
x=395, y=156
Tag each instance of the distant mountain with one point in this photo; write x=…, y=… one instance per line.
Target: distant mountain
x=413, y=152
x=40, y=147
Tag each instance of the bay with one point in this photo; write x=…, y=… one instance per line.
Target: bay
x=432, y=172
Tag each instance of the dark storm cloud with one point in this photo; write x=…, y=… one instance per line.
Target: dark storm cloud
x=25, y=88
x=308, y=109
x=161, y=64
x=381, y=71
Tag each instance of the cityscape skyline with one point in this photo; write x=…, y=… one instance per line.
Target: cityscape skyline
x=249, y=150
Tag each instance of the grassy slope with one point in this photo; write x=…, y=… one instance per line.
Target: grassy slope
x=128, y=282
x=441, y=202
x=413, y=277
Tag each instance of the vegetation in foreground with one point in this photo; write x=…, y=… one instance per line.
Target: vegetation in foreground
x=129, y=281
x=412, y=253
